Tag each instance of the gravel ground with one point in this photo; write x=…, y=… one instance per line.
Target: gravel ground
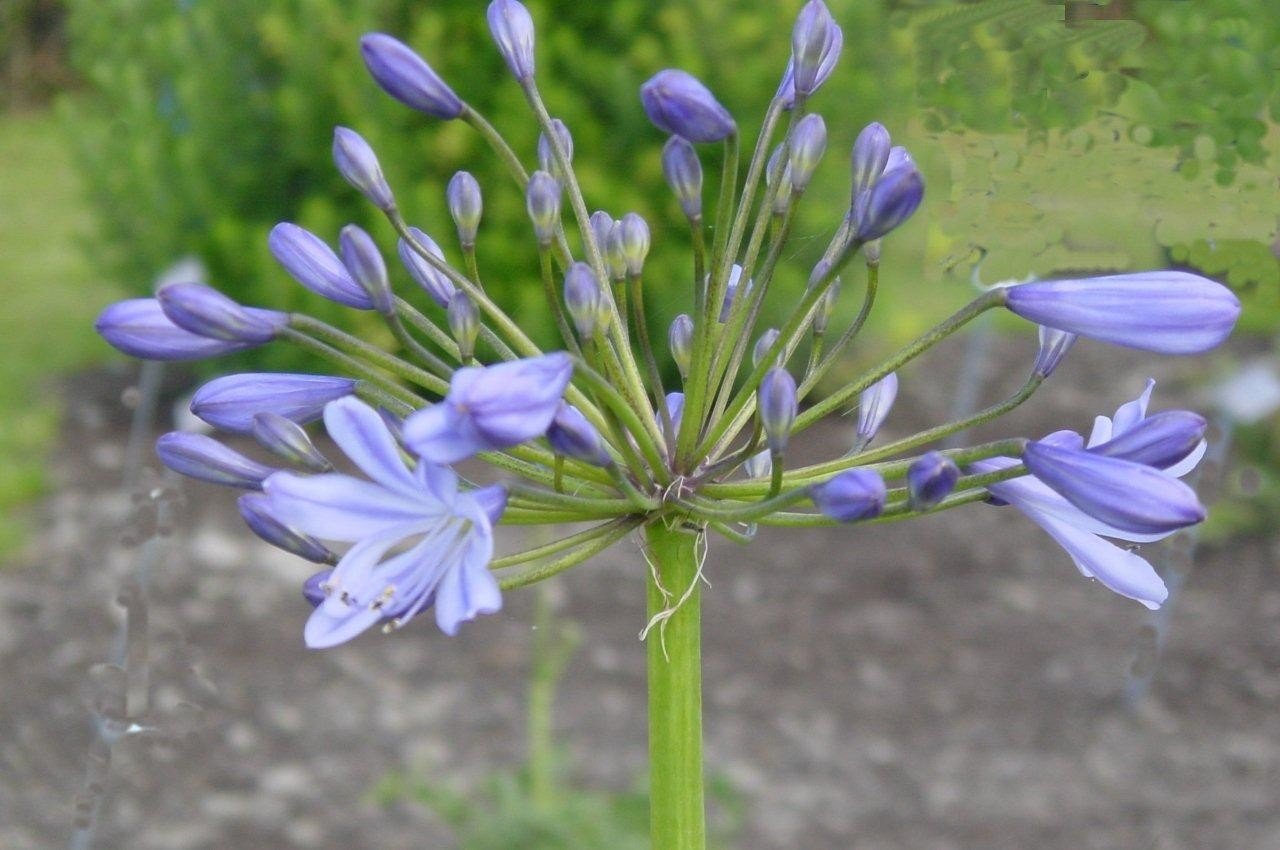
x=952, y=683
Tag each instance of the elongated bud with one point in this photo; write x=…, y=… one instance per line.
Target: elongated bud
x=633, y=234
x=574, y=437
x=1054, y=345
x=763, y=344
x=778, y=171
x=614, y=255
x=759, y=465
x=678, y=103
x=204, y=458
x=231, y=402
x=811, y=43
x=364, y=261
x=777, y=405
x=314, y=265
x=546, y=154
x=890, y=202
x=255, y=509
x=680, y=339
x=683, y=170
x=434, y=281
x=930, y=479
x=874, y=405
x=731, y=293
x=601, y=226
x=512, y=29
x=465, y=206
x=1160, y=440
x=139, y=327
x=407, y=77
x=542, y=199
x=870, y=155
x=826, y=306
x=359, y=166
x=808, y=144
x=285, y=439
x=675, y=407
x=584, y=299
x=850, y=496
x=464, y=324
x=206, y=312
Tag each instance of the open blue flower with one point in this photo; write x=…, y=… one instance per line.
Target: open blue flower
x=443, y=536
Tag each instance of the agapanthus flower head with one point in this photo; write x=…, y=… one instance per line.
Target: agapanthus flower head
x=1054, y=345
x=231, y=402
x=314, y=265
x=206, y=312
x=364, y=262
x=358, y=165
x=874, y=405
x=255, y=509
x=572, y=435
x=512, y=29
x=139, y=327
x=813, y=39
x=465, y=206
x=851, y=495
x=449, y=532
x=683, y=170
x=542, y=199
x=204, y=458
x=930, y=479
x=407, y=77
x=778, y=407
x=1169, y=312
x=286, y=439
x=490, y=407
x=676, y=102
x=464, y=324
x=435, y=282
x=808, y=143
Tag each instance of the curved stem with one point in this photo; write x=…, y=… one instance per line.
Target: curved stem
x=538, y=572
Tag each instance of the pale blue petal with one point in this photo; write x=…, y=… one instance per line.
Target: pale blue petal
x=338, y=507
x=364, y=438
x=1101, y=432
x=1189, y=462
x=1132, y=412
x=441, y=434
x=1118, y=569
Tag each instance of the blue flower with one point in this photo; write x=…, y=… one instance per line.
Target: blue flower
x=445, y=535
x=490, y=407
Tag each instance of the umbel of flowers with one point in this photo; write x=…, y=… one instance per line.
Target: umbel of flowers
x=590, y=434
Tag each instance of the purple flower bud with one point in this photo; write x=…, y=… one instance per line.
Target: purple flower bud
x=466, y=206
x=826, y=306
x=140, y=328
x=874, y=405
x=434, y=281
x=367, y=268
x=778, y=171
x=850, y=496
x=601, y=226
x=759, y=465
x=571, y=435
x=491, y=407
x=464, y=324
x=1128, y=496
x=731, y=291
x=683, y=170
x=255, y=508
x=675, y=407
x=763, y=344
x=811, y=42
x=678, y=103
x=286, y=439
x=585, y=300
x=614, y=256
x=892, y=200
x=546, y=154
x=1054, y=345
x=1168, y=312
x=359, y=166
x=870, y=156
x=633, y=237
x=777, y=405
x=680, y=339
x=808, y=143
x=316, y=587
x=830, y=54
x=930, y=479
x=1160, y=440
x=231, y=402
x=314, y=265
x=407, y=77
x=512, y=29
x=205, y=311
x=542, y=199
x=205, y=459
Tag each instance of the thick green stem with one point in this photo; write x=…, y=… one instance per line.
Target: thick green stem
x=676, y=810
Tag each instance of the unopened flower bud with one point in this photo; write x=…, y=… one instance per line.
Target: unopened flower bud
x=1054, y=345
x=852, y=495
x=777, y=405
x=811, y=44
x=678, y=103
x=364, y=261
x=633, y=236
x=256, y=510
x=614, y=256
x=808, y=143
x=683, y=170
x=731, y=293
x=314, y=264
x=870, y=155
x=204, y=458
x=512, y=28
x=547, y=155
x=285, y=438
x=680, y=339
x=231, y=402
x=763, y=344
x=542, y=199
x=584, y=299
x=826, y=306
x=675, y=407
x=139, y=327
x=778, y=171
x=930, y=479
x=574, y=437
x=465, y=206
x=435, y=282
x=464, y=324
x=359, y=166
x=874, y=405
x=407, y=77
x=206, y=312
x=892, y=200
x=759, y=465
x=1160, y=440
x=601, y=226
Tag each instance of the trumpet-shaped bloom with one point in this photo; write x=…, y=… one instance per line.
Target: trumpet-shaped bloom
x=444, y=536
x=490, y=407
